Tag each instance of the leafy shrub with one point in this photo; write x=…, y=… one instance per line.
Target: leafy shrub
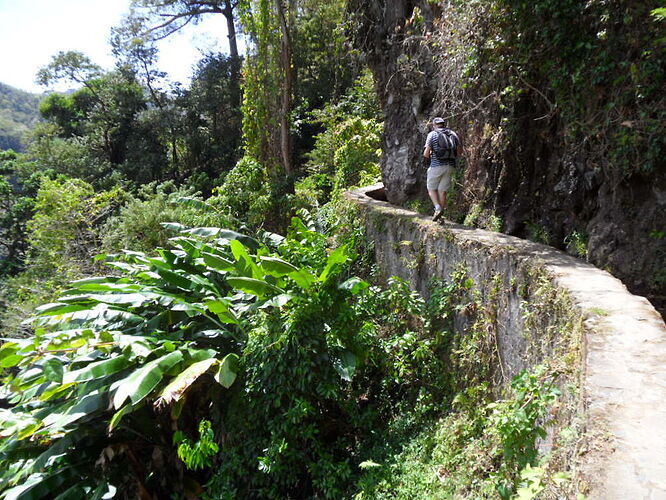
x=357, y=159
x=247, y=194
x=71, y=156
x=139, y=227
x=477, y=216
x=197, y=455
x=21, y=294
x=481, y=449
x=121, y=348
x=62, y=237
x=312, y=419
x=314, y=190
x=538, y=233
x=518, y=422
x=62, y=233
x=347, y=152
x=18, y=187
x=576, y=244
x=344, y=156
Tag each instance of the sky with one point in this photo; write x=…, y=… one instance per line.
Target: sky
x=32, y=31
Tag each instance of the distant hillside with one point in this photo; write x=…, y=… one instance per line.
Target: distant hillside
x=19, y=112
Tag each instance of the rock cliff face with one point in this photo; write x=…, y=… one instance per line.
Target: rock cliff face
x=406, y=90
x=521, y=161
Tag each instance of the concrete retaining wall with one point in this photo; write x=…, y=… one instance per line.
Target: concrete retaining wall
x=537, y=294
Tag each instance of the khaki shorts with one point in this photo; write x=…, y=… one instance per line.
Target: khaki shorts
x=439, y=178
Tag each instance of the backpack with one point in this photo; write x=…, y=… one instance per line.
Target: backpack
x=445, y=144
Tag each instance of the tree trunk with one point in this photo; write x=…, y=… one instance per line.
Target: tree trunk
x=158, y=102
x=228, y=12
x=287, y=89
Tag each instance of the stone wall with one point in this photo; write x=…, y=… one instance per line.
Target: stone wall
x=547, y=304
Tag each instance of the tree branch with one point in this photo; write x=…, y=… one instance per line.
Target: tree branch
x=172, y=18
x=170, y=31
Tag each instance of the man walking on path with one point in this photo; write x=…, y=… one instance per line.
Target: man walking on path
x=441, y=147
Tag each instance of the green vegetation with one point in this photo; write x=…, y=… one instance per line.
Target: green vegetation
x=18, y=189
x=477, y=216
x=577, y=244
x=539, y=233
x=188, y=309
x=455, y=455
x=315, y=368
x=116, y=344
x=197, y=455
x=578, y=49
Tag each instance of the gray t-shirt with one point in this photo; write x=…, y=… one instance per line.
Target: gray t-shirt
x=434, y=161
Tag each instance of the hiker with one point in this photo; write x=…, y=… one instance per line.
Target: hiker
x=441, y=147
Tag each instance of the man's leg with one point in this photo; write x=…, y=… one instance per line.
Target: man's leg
x=434, y=197
x=433, y=182
x=442, y=199
x=443, y=187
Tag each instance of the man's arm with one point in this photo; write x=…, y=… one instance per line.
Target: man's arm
x=428, y=150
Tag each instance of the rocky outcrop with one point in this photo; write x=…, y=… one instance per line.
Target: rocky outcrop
x=404, y=73
x=538, y=294
x=521, y=160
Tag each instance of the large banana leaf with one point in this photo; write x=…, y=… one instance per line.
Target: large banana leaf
x=59, y=308
x=97, y=369
x=257, y=287
x=177, y=387
x=223, y=311
x=174, y=278
x=245, y=265
x=100, y=315
x=354, y=285
x=87, y=405
x=337, y=257
x=226, y=373
x=277, y=267
x=303, y=278
x=39, y=486
x=141, y=382
x=217, y=262
x=224, y=236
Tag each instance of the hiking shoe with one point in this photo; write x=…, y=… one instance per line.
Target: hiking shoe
x=438, y=213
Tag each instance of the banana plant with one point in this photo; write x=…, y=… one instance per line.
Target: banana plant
x=113, y=350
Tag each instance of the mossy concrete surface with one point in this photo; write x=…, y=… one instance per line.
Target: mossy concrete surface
x=620, y=359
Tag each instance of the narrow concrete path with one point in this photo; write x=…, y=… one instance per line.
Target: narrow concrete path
x=625, y=387
x=624, y=358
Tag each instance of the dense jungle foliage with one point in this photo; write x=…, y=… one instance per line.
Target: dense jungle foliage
x=190, y=310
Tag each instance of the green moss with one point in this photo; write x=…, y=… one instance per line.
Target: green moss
x=599, y=311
